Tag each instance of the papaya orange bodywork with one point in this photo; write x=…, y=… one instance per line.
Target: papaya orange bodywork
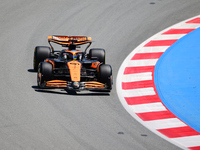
x=56, y=83
x=94, y=85
x=98, y=67
x=51, y=62
x=75, y=70
x=67, y=39
x=95, y=64
x=73, y=52
x=63, y=84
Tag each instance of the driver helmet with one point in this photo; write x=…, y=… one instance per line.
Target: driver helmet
x=75, y=57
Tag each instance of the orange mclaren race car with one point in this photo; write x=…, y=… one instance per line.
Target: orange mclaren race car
x=70, y=68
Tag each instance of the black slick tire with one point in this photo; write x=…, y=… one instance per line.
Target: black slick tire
x=99, y=53
x=105, y=75
x=40, y=54
x=44, y=74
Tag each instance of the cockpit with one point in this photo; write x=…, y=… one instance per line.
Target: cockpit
x=72, y=55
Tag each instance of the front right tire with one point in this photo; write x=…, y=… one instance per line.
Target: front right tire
x=44, y=74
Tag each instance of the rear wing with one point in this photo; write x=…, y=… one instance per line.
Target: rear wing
x=65, y=41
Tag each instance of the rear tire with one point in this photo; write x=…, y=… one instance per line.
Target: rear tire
x=44, y=73
x=105, y=75
x=99, y=53
x=40, y=54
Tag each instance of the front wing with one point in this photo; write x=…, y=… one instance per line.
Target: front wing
x=77, y=86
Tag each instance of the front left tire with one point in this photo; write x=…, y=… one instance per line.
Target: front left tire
x=105, y=75
x=99, y=53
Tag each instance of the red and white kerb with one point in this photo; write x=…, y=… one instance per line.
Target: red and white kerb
x=137, y=92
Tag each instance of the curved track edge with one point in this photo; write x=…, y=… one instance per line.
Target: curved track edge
x=137, y=93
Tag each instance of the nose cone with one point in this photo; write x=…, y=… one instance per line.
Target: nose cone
x=75, y=70
x=76, y=84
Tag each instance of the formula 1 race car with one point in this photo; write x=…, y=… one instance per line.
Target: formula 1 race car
x=70, y=68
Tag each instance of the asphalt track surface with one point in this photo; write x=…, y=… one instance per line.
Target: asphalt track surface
x=31, y=118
